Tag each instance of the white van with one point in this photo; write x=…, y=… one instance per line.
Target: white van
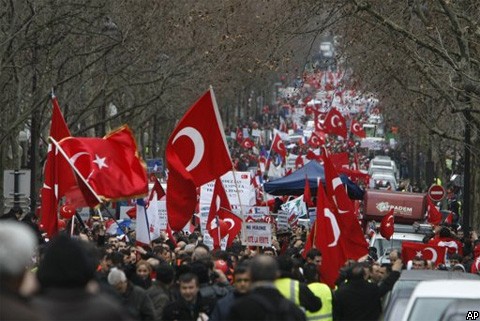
x=431, y=298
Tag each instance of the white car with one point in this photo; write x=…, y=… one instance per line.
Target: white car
x=385, y=164
x=430, y=299
x=381, y=180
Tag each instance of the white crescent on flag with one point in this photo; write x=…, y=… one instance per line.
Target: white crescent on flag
x=356, y=127
x=335, y=227
x=280, y=145
x=231, y=223
x=198, y=143
x=335, y=123
x=434, y=253
x=335, y=183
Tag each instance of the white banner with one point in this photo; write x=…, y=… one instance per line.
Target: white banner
x=257, y=234
x=245, y=189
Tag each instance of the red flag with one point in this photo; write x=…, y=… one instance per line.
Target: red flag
x=239, y=135
x=316, y=139
x=355, y=244
x=329, y=239
x=110, y=165
x=433, y=253
x=196, y=154
x=53, y=187
x=248, y=143
x=335, y=123
x=357, y=129
x=434, y=215
x=216, y=227
x=299, y=162
x=387, y=225
x=221, y=216
x=278, y=146
x=340, y=160
x=312, y=156
x=307, y=194
x=157, y=187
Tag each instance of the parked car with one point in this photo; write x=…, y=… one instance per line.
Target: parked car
x=395, y=302
x=430, y=299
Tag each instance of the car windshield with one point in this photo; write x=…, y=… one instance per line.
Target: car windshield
x=430, y=309
x=383, y=246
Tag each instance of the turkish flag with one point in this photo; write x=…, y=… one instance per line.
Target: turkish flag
x=387, y=225
x=239, y=136
x=56, y=166
x=196, y=154
x=434, y=216
x=110, y=166
x=307, y=194
x=357, y=129
x=329, y=239
x=278, y=146
x=335, y=123
x=221, y=221
x=316, y=139
x=248, y=143
x=355, y=244
x=216, y=227
x=433, y=253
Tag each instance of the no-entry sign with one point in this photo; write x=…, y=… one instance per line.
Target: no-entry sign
x=436, y=193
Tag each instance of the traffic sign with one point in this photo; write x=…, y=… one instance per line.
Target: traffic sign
x=436, y=193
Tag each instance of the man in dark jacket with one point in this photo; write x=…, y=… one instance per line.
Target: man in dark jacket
x=190, y=305
x=264, y=301
x=241, y=279
x=133, y=297
x=160, y=291
x=63, y=275
x=358, y=299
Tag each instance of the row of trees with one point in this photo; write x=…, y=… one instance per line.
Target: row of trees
x=143, y=63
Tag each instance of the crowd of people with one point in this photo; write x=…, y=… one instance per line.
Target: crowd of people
x=107, y=277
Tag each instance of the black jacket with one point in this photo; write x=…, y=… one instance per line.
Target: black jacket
x=251, y=307
x=180, y=310
x=360, y=299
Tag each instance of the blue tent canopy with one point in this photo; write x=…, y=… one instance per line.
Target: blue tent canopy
x=294, y=184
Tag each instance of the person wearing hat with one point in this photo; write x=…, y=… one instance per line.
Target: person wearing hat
x=17, y=248
x=64, y=273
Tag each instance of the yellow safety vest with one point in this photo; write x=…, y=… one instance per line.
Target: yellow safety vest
x=289, y=288
x=323, y=292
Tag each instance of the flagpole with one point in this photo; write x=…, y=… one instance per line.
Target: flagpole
x=218, y=232
x=75, y=169
x=72, y=223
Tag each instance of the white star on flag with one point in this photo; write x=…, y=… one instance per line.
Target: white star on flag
x=100, y=161
x=419, y=253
